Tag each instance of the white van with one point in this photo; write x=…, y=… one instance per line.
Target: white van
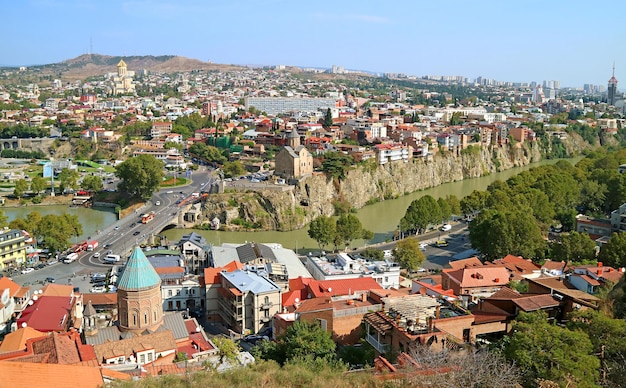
x=446, y=227
x=157, y=203
x=110, y=258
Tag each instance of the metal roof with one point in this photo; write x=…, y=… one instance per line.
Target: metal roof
x=138, y=273
x=246, y=281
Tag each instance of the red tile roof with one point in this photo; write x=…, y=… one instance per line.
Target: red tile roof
x=480, y=276
x=465, y=263
x=212, y=275
x=27, y=375
x=48, y=313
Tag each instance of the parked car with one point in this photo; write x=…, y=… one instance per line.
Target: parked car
x=446, y=227
x=40, y=266
x=96, y=255
x=98, y=290
x=423, y=246
x=53, y=261
x=28, y=270
x=49, y=279
x=136, y=233
x=441, y=243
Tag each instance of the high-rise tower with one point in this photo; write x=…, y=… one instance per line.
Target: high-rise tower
x=612, y=88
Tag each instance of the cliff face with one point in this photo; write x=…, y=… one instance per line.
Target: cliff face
x=317, y=195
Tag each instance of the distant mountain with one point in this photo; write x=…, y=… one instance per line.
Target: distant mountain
x=89, y=65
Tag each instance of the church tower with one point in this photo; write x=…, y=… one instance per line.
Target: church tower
x=139, y=302
x=293, y=139
x=121, y=69
x=612, y=89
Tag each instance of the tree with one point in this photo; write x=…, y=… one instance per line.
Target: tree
x=38, y=184
x=228, y=349
x=474, y=202
x=140, y=176
x=92, y=183
x=408, y=254
x=348, y=228
x=573, y=246
x=336, y=164
x=373, y=254
x=20, y=188
x=300, y=341
x=328, y=119
x=545, y=351
x=496, y=233
x=613, y=253
x=68, y=179
x=454, y=203
x=421, y=213
x=322, y=229
x=444, y=209
x=233, y=169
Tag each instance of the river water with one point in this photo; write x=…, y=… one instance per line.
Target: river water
x=382, y=218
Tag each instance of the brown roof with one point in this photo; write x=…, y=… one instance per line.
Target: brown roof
x=108, y=298
x=17, y=339
x=469, y=262
x=52, y=289
x=536, y=302
x=588, y=279
x=160, y=341
x=27, y=375
x=480, y=276
x=554, y=265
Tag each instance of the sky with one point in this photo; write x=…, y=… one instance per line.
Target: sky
x=574, y=42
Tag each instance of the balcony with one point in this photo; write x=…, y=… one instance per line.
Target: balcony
x=379, y=346
x=267, y=306
x=265, y=319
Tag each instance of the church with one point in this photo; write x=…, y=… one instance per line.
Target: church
x=122, y=83
x=293, y=161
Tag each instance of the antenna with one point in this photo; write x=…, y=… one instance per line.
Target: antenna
x=90, y=45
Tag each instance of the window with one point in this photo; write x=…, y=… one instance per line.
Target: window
x=142, y=359
x=169, y=292
x=149, y=357
x=170, y=306
x=134, y=319
x=145, y=318
x=323, y=323
x=267, y=300
x=177, y=292
x=155, y=318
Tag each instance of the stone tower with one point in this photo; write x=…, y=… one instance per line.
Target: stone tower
x=139, y=302
x=121, y=69
x=612, y=89
x=293, y=139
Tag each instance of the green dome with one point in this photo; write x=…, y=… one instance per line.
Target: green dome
x=138, y=273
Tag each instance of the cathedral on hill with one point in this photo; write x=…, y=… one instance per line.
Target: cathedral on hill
x=122, y=81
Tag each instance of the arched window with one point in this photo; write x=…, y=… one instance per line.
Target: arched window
x=134, y=319
x=145, y=318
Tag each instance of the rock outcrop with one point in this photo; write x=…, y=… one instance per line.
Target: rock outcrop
x=318, y=195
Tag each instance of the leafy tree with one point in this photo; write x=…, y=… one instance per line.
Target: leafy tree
x=475, y=202
x=545, y=351
x=68, y=179
x=92, y=183
x=38, y=184
x=421, y=213
x=454, y=203
x=496, y=233
x=54, y=231
x=228, y=349
x=328, y=119
x=408, y=254
x=233, y=169
x=140, y=176
x=3, y=219
x=373, y=254
x=573, y=246
x=444, y=209
x=301, y=340
x=613, y=253
x=592, y=196
x=336, y=164
x=541, y=207
x=21, y=185
x=348, y=228
x=322, y=230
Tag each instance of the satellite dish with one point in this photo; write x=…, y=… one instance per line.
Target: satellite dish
x=30, y=302
x=330, y=289
x=198, y=329
x=24, y=324
x=297, y=300
x=35, y=297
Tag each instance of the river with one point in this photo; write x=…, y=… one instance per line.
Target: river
x=382, y=218
x=91, y=219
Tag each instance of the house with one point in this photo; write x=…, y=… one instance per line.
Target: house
x=17, y=340
x=13, y=299
x=589, y=278
x=554, y=268
x=562, y=289
x=12, y=248
x=475, y=281
x=55, y=308
x=518, y=267
x=341, y=316
x=141, y=350
x=194, y=248
x=248, y=301
x=160, y=128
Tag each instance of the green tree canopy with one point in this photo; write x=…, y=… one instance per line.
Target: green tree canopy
x=422, y=212
x=38, y=184
x=613, y=253
x=300, y=341
x=546, y=351
x=233, y=169
x=53, y=231
x=68, y=179
x=140, y=176
x=336, y=164
x=348, y=228
x=408, y=254
x=322, y=229
x=92, y=183
x=574, y=247
x=20, y=188
x=328, y=119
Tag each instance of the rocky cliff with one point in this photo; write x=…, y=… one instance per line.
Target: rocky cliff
x=318, y=195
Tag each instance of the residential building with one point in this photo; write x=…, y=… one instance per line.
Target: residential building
x=13, y=299
x=248, y=301
x=475, y=282
x=386, y=153
x=518, y=267
x=348, y=266
x=160, y=129
x=12, y=248
x=139, y=350
x=276, y=105
x=53, y=310
x=194, y=249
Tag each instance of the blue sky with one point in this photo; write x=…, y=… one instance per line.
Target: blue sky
x=574, y=42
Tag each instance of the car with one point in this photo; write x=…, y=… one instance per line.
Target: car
x=49, y=279
x=28, y=270
x=107, y=246
x=136, y=233
x=446, y=227
x=441, y=243
x=157, y=203
x=423, y=246
x=53, y=261
x=101, y=283
x=98, y=290
x=133, y=224
x=96, y=255
x=170, y=192
x=117, y=227
x=40, y=266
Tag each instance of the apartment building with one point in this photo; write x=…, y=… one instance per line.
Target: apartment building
x=12, y=248
x=276, y=105
x=160, y=128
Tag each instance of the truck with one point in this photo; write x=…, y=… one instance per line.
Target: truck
x=92, y=245
x=70, y=258
x=111, y=258
x=145, y=218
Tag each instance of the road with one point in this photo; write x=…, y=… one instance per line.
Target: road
x=119, y=237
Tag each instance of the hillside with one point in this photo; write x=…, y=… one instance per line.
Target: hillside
x=91, y=65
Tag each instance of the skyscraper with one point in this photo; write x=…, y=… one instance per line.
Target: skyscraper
x=612, y=88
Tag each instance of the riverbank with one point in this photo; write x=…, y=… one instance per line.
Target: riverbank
x=45, y=201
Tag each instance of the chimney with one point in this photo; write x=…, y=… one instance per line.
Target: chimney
x=496, y=280
x=599, y=272
x=437, y=312
x=599, y=264
x=364, y=297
